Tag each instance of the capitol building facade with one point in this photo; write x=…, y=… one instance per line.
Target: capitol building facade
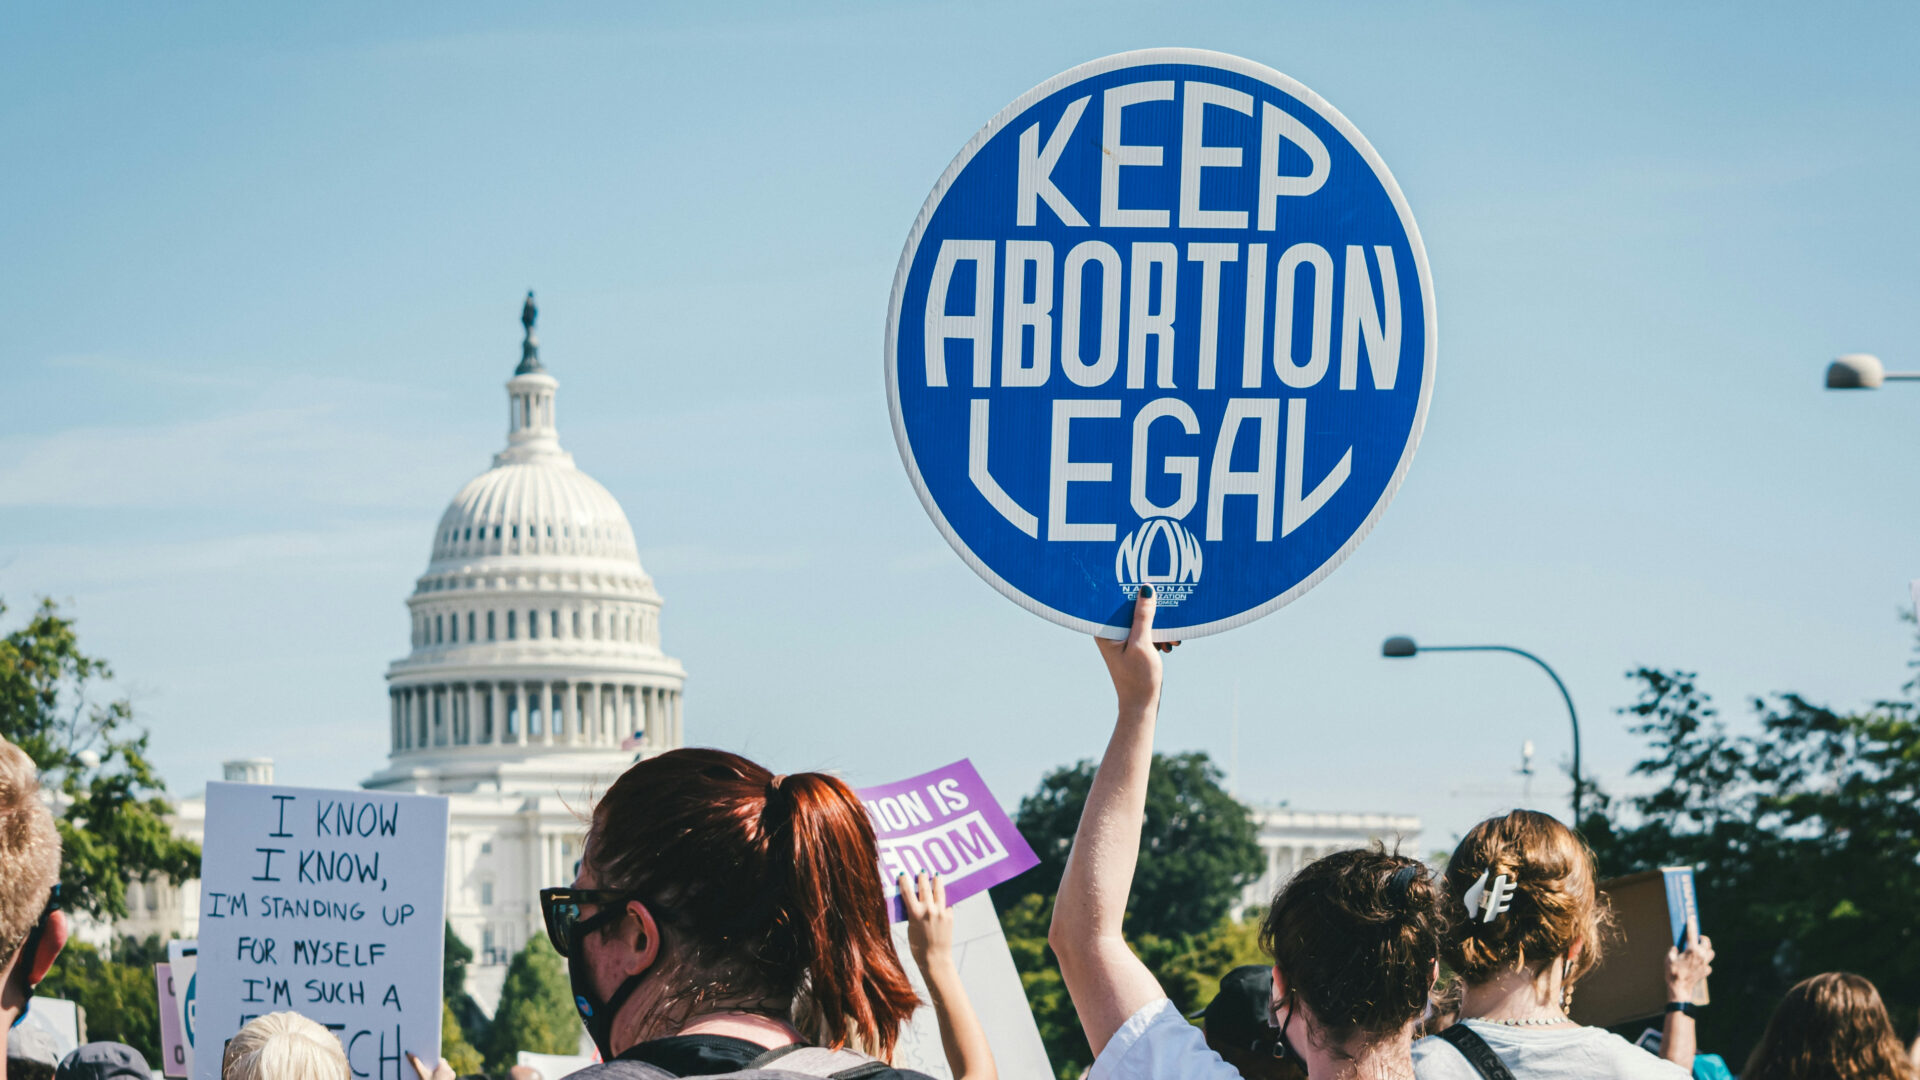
x=535, y=677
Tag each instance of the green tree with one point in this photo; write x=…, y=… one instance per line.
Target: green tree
x=536, y=1011
x=1198, y=849
x=1805, y=839
x=456, y=957
x=94, y=756
x=1198, y=846
x=454, y=1045
x=118, y=992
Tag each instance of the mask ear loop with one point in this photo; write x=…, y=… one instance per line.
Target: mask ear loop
x=1283, y=1049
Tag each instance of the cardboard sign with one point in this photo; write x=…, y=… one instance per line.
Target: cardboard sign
x=183, y=960
x=173, y=1044
x=1166, y=320
x=948, y=822
x=329, y=904
x=1652, y=911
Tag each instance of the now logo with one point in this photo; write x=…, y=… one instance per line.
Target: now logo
x=1160, y=552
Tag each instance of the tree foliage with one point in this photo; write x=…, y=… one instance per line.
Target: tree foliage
x=456, y=957
x=1805, y=839
x=94, y=758
x=118, y=992
x=454, y=1045
x=536, y=1011
x=1198, y=845
x=1198, y=848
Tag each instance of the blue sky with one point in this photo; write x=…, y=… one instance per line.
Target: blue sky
x=262, y=269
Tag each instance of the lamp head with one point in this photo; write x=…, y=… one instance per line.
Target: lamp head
x=1855, y=371
x=1398, y=646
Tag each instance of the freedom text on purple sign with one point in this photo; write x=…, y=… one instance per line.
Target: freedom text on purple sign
x=944, y=821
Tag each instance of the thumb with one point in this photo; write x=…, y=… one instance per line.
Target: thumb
x=1143, y=608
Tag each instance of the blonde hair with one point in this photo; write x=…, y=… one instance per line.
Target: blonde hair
x=284, y=1046
x=1554, y=904
x=29, y=849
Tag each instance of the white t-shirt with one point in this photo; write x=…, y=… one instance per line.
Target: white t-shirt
x=1572, y=1053
x=1157, y=1043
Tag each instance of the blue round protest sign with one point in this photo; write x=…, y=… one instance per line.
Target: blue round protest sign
x=1166, y=320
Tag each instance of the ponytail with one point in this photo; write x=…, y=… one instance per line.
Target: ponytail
x=768, y=890
x=856, y=987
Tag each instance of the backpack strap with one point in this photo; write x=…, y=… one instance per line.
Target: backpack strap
x=1477, y=1052
x=805, y=1060
x=620, y=1069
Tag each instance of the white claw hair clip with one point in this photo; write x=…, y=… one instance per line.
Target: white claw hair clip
x=1489, y=900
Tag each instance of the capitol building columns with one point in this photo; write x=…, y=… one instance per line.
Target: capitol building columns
x=590, y=712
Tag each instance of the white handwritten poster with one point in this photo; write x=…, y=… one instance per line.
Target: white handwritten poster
x=329, y=904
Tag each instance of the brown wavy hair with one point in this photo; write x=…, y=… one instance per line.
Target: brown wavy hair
x=767, y=889
x=1554, y=902
x=1355, y=935
x=1829, y=1027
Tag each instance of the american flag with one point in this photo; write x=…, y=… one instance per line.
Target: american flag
x=632, y=742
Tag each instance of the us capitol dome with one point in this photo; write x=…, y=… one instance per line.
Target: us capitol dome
x=535, y=632
x=535, y=677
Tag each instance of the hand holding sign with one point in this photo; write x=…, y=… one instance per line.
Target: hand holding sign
x=1688, y=968
x=929, y=919
x=442, y=1071
x=1134, y=664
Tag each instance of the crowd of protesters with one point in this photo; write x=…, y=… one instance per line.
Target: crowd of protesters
x=723, y=922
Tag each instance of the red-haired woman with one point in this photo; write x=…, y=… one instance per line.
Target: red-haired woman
x=725, y=918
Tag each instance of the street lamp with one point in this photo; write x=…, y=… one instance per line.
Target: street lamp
x=1859, y=371
x=1400, y=647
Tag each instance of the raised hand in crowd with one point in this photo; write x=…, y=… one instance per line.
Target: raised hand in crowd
x=1354, y=936
x=1686, y=970
x=930, y=939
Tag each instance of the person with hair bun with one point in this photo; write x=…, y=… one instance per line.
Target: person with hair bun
x=1524, y=924
x=1830, y=1027
x=1354, y=936
x=725, y=918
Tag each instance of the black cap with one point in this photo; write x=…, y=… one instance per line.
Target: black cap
x=104, y=1061
x=1241, y=1013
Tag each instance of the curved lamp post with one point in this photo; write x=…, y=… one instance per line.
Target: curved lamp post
x=1401, y=647
x=1860, y=371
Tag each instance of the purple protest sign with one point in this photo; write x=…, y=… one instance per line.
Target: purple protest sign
x=945, y=821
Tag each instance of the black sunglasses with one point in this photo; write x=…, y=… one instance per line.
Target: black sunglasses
x=561, y=910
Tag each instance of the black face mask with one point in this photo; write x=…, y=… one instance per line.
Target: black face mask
x=1282, y=1047
x=596, y=1014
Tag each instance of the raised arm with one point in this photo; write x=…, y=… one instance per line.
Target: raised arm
x=930, y=937
x=1685, y=971
x=1107, y=982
